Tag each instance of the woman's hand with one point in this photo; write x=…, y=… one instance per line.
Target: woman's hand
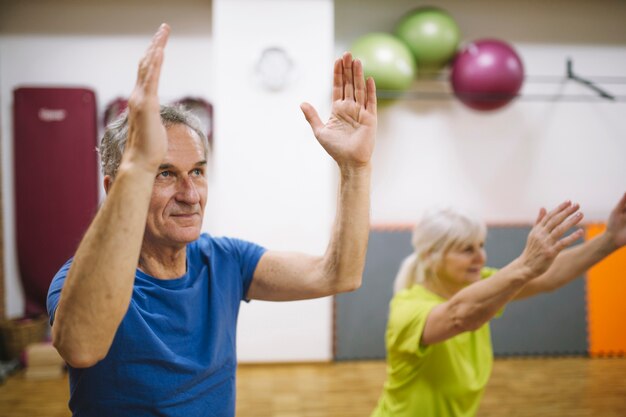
x=546, y=239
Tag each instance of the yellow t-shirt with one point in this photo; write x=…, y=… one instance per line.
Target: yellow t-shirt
x=445, y=379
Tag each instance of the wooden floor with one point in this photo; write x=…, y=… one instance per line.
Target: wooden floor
x=572, y=387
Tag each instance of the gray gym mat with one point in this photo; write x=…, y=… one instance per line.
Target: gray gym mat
x=361, y=316
x=547, y=324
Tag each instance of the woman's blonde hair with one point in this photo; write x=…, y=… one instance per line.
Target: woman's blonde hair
x=437, y=231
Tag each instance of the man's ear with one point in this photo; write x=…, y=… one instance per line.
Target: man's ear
x=108, y=182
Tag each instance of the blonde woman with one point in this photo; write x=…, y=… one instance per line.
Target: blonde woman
x=439, y=353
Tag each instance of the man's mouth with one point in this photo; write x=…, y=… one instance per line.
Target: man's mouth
x=184, y=215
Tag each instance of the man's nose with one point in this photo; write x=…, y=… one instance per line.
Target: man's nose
x=187, y=191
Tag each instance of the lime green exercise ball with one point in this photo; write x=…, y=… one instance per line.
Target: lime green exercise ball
x=432, y=35
x=386, y=59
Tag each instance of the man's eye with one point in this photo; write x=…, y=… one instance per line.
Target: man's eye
x=197, y=172
x=165, y=174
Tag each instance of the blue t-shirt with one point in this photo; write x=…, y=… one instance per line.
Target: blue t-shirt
x=174, y=352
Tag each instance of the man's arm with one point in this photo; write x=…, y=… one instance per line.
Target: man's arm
x=97, y=290
x=348, y=137
x=573, y=262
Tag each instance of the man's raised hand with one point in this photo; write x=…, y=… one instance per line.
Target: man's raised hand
x=147, y=139
x=350, y=132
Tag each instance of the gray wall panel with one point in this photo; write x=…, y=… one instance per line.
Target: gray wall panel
x=361, y=316
x=547, y=324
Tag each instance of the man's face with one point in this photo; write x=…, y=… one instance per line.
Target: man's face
x=180, y=190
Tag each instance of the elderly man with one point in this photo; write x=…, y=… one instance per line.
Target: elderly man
x=145, y=313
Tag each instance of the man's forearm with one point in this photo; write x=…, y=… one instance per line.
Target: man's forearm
x=98, y=287
x=344, y=259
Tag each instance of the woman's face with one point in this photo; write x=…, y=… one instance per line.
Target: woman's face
x=461, y=265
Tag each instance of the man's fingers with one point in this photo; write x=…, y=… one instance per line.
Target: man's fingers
x=338, y=80
x=348, y=77
x=150, y=64
x=312, y=117
x=154, y=72
x=359, y=82
x=160, y=37
x=371, y=104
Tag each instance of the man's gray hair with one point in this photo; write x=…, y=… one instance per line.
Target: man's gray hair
x=114, y=139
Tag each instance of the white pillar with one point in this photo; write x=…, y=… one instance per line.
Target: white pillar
x=272, y=182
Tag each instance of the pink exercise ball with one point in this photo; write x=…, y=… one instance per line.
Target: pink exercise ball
x=487, y=74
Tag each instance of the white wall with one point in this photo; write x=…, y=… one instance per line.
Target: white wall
x=275, y=182
x=505, y=164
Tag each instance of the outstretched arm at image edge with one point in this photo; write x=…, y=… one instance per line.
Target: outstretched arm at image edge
x=573, y=262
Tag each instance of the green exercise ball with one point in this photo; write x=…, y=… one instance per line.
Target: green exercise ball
x=432, y=35
x=386, y=59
